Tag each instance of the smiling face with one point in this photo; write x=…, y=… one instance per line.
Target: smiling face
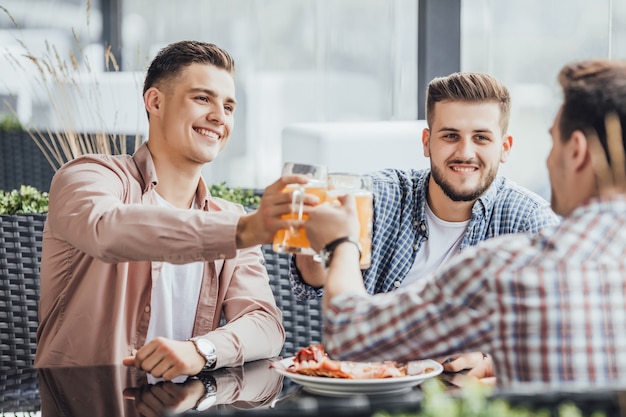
x=192, y=114
x=465, y=144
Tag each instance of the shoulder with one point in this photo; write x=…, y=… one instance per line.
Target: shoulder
x=518, y=208
x=97, y=168
x=507, y=192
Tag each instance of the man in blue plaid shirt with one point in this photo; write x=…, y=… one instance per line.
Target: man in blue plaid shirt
x=422, y=218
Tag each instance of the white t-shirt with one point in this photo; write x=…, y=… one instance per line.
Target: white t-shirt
x=444, y=241
x=175, y=297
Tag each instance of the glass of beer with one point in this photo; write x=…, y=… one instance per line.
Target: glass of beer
x=361, y=187
x=294, y=240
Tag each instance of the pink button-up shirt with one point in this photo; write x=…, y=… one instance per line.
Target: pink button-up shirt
x=104, y=243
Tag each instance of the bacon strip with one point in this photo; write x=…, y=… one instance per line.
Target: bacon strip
x=314, y=361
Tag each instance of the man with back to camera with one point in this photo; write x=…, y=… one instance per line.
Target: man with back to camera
x=424, y=218
x=139, y=261
x=548, y=307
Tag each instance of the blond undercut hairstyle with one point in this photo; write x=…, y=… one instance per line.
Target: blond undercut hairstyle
x=470, y=87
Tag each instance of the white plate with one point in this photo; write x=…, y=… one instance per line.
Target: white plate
x=342, y=386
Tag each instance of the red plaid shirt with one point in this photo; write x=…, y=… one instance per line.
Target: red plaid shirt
x=550, y=308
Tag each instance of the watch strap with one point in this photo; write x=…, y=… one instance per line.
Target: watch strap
x=328, y=250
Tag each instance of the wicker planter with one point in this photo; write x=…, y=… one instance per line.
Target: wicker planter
x=20, y=256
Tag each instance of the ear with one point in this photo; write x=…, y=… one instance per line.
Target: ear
x=578, y=151
x=507, y=144
x=426, y=141
x=152, y=100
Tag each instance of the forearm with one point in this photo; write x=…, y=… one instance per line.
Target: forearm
x=344, y=274
x=312, y=272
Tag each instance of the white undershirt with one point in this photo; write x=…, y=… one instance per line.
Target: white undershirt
x=175, y=297
x=444, y=241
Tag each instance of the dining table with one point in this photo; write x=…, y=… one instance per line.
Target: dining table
x=253, y=389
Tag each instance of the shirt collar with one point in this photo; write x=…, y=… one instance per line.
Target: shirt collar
x=145, y=165
x=488, y=198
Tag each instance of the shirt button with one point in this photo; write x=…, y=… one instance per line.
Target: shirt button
x=396, y=284
x=423, y=227
x=415, y=223
x=415, y=247
x=147, y=309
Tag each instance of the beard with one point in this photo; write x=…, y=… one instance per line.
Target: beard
x=467, y=195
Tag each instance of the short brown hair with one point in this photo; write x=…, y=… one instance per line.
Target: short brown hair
x=170, y=60
x=469, y=87
x=591, y=90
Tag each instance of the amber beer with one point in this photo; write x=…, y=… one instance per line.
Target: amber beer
x=294, y=240
x=361, y=187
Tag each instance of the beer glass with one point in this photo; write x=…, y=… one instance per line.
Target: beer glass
x=361, y=187
x=294, y=240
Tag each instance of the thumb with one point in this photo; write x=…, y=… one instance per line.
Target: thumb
x=347, y=200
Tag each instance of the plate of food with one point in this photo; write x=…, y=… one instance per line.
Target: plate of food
x=317, y=373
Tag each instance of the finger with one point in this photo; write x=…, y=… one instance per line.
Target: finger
x=489, y=381
x=145, y=409
x=128, y=361
x=347, y=200
x=171, y=372
x=285, y=180
x=459, y=380
x=130, y=393
x=464, y=361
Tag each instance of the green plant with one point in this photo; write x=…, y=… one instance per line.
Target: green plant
x=474, y=401
x=23, y=201
x=246, y=198
x=10, y=123
x=30, y=200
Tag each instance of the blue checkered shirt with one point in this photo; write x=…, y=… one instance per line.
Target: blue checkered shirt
x=400, y=227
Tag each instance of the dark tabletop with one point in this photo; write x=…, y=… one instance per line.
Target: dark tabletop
x=252, y=389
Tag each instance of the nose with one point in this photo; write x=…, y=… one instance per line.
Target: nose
x=465, y=148
x=217, y=114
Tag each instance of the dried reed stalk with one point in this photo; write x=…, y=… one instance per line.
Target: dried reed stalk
x=55, y=74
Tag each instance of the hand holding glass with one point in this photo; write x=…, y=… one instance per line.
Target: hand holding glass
x=294, y=240
x=361, y=187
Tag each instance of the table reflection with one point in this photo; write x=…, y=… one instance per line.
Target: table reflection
x=121, y=391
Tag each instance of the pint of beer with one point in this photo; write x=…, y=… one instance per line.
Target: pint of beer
x=294, y=240
x=361, y=187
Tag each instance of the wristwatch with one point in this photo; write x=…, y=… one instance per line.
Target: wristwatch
x=210, y=392
x=327, y=252
x=207, y=350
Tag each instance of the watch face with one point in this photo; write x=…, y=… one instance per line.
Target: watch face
x=205, y=347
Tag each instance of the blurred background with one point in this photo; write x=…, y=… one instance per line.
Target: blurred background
x=311, y=74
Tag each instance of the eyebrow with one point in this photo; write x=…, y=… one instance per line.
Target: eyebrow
x=453, y=129
x=213, y=94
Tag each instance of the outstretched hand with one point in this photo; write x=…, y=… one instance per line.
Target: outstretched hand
x=260, y=226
